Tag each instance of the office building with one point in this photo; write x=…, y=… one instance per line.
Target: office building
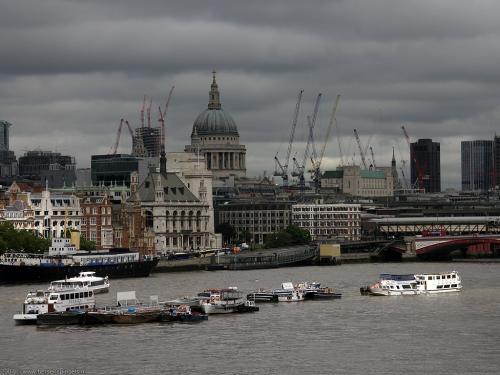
x=477, y=165
x=426, y=165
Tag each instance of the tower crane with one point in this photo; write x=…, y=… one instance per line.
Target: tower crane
x=149, y=111
x=283, y=167
x=163, y=116
x=363, y=159
x=373, y=158
x=316, y=160
x=300, y=168
x=118, y=135
x=420, y=170
x=142, y=110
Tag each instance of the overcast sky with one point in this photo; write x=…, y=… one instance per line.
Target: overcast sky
x=69, y=70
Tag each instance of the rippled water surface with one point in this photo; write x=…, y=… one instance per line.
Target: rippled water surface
x=441, y=334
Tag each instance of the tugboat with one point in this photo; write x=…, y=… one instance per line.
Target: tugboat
x=314, y=291
x=64, y=260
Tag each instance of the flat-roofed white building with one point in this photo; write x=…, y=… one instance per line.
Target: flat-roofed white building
x=338, y=220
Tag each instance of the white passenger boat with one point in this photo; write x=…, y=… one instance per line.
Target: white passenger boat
x=287, y=293
x=393, y=285
x=42, y=302
x=426, y=283
x=225, y=301
x=446, y=282
x=84, y=280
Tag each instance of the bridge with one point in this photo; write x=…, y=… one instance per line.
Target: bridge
x=429, y=247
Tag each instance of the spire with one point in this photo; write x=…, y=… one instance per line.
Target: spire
x=393, y=162
x=214, y=98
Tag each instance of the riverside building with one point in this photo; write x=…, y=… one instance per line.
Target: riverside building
x=323, y=221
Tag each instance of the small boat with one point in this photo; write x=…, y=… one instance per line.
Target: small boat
x=314, y=291
x=42, y=302
x=182, y=313
x=287, y=293
x=86, y=279
x=223, y=301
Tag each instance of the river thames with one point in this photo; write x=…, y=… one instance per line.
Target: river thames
x=456, y=333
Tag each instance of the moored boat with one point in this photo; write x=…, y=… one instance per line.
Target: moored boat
x=84, y=280
x=64, y=260
x=61, y=318
x=182, y=313
x=314, y=291
x=223, y=301
x=42, y=302
x=287, y=293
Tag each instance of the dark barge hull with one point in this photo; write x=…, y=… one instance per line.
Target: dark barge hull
x=19, y=274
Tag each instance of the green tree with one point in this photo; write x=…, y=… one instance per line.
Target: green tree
x=21, y=240
x=86, y=244
x=300, y=236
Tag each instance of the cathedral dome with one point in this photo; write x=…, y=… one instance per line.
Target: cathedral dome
x=213, y=120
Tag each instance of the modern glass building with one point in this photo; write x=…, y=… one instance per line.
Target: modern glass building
x=425, y=157
x=477, y=165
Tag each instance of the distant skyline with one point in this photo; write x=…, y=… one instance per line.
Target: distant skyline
x=70, y=70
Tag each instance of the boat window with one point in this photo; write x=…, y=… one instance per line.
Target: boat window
x=53, y=298
x=81, y=294
x=86, y=294
x=439, y=286
x=446, y=286
x=438, y=277
x=453, y=276
x=406, y=286
x=397, y=286
x=448, y=276
x=453, y=285
x=72, y=296
x=91, y=293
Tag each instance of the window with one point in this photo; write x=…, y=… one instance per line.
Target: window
x=92, y=221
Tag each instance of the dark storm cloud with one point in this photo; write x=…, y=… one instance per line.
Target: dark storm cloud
x=71, y=69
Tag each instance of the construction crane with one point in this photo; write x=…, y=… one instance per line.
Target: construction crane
x=420, y=170
x=283, y=167
x=163, y=116
x=373, y=158
x=149, y=111
x=118, y=135
x=142, y=110
x=317, y=160
x=363, y=159
x=300, y=168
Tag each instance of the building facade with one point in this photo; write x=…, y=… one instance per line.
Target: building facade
x=164, y=215
x=477, y=165
x=8, y=162
x=323, y=221
x=55, y=212
x=496, y=157
x=425, y=157
x=215, y=136
x=357, y=182
x=47, y=166
x=255, y=218
x=96, y=224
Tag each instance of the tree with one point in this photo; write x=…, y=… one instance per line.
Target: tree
x=227, y=230
x=21, y=240
x=245, y=236
x=300, y=236
x=86, y=244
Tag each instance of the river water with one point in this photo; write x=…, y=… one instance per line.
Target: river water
x=457, y=333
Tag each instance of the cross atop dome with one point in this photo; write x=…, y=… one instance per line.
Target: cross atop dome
x=214, y=96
